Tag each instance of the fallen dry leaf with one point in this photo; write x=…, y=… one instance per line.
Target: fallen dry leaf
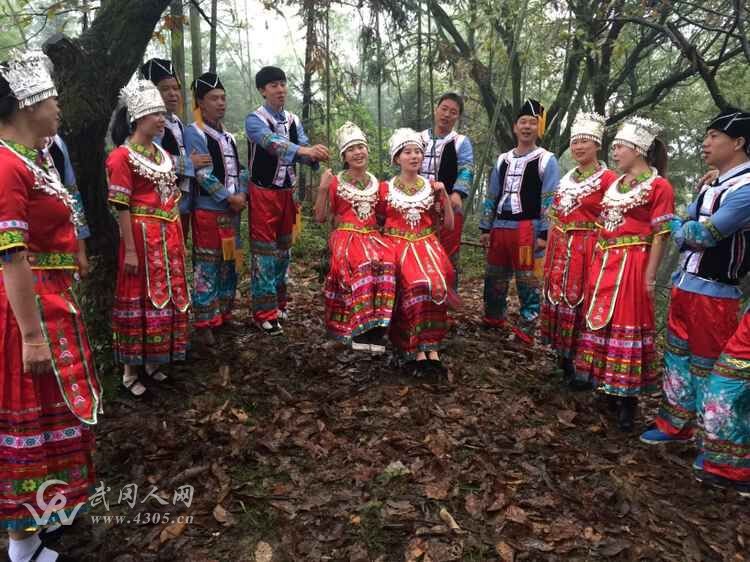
x=263, y=552
x=223, y=516
x=516, y=514
x=449, y=520
x=172, y=532
x=505, y=551
x=438, y=490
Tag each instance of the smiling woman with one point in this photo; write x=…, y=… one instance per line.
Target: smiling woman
x=359, y=288
x=414, y=207
x=149, y=320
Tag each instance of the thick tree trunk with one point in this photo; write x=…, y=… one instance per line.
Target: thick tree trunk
x=90, y=71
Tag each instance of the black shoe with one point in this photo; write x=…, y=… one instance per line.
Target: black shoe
x=569, y=369
x=579, y=385
x=360, y=343
x=418, y=369
x=436, y=366
x=626, y=413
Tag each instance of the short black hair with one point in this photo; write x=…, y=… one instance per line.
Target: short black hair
x=454, y=97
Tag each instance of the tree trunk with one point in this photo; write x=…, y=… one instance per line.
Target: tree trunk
x=308, y=9
x=214, y=22
x=418, y=119
x=90, y=71
x=196, y=51
x=178, y=49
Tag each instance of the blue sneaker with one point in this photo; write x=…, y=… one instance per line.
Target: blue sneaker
x=655, y=436
x=698, y=467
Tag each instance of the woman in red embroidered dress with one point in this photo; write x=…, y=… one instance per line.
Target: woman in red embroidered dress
x=49, y=392
x=360, y=286
x=150, y=319
x=574, y=212
x=617, y=349
x=424, y=273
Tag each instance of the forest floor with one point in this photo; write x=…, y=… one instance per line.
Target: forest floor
x=300, y=450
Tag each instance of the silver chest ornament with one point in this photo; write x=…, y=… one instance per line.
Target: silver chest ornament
x=363, y=201
x=411, y=206
x=161, y=175
x=571, y=193
x=616, y=204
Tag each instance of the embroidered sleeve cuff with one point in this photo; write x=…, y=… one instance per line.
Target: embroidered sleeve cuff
x=660, y=225
x=464, y=181
x=244, y=185
x=279, y=146
x=119, y=195
x=547, y=199
x=212, y=185
x=13, y=238
x=700, y=235
x=179, y=165
x=714, y=232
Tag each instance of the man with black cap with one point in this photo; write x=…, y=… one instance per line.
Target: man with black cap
x=220, y=195
x=514, y=225
x=276, y=143
x=162, y=73
x=707, y=360
x=449, y=158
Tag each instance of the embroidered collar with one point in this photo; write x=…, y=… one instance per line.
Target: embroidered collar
x=159, y=173
x=155, y=156
x=737, y=170
x=362, y=198
x=280, y=116
x=571, y=192
x=46, y=178
x=617, y=203
x=30, y=153
x=432, y=134
x=413, y=205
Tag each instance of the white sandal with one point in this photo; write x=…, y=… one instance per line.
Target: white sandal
x=133, y=384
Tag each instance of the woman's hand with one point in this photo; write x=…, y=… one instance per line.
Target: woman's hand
x=326, y=178
x=484, y=240
x=456, y=201
x=131, y=261
x=650, y=286
x=83, y=262
x=37, y=357
x=438, y=186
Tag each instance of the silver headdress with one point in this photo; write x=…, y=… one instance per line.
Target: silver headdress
x=400, y=138
x=348, y=135
x=588, y=126
x=637, y=133
x=29, y=75
x=142, y=98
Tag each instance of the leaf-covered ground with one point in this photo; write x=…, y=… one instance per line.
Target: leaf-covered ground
x=300, y=450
